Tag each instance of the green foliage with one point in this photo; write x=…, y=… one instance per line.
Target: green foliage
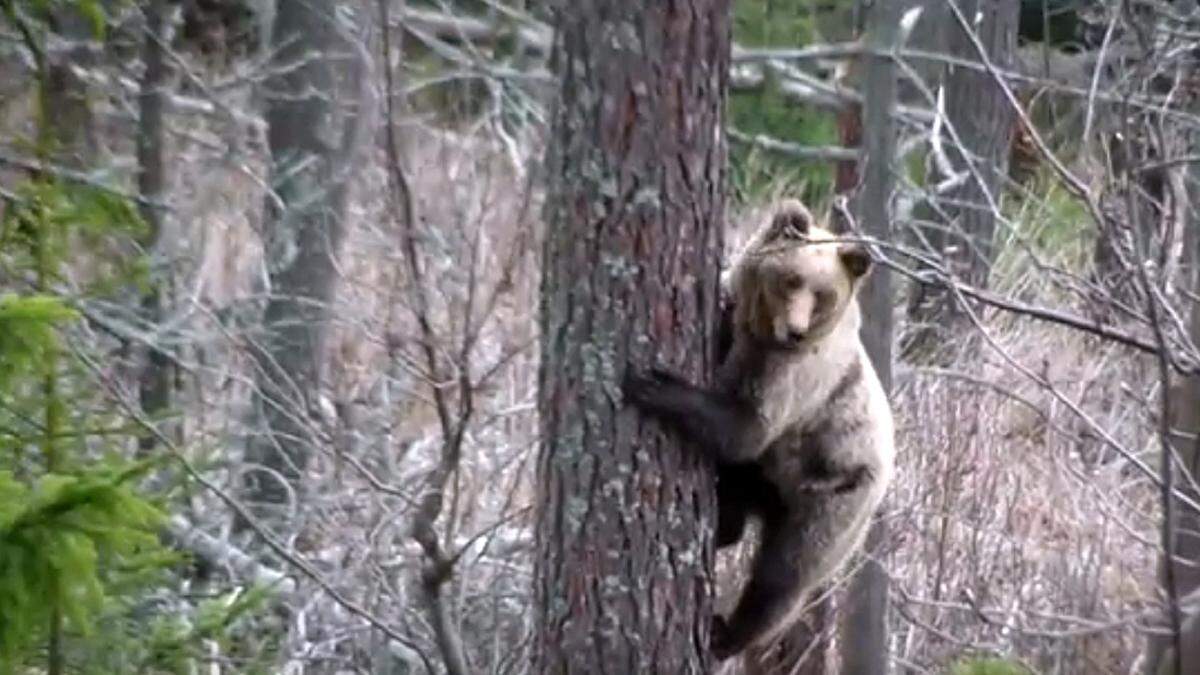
x=79, y=545
x=784, y=23
x=48, y=219
x=780, y=23
x=91, y=10
x=988, y=666
x=1047, y=221
x=26, y=333
x=172, y=639
x=83, y=574
x=755, y=172
x=58, y=538
x=74, y=527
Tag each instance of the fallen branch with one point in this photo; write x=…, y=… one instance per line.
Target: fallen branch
x=748, y=71
x=179, y=103
x=454, y=27
x=796, y=150
x=223, y=554
x=1185, y=366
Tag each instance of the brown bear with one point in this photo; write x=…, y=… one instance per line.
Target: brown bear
x=797, y=421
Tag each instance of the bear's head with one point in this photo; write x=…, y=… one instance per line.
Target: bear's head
x=795, y=282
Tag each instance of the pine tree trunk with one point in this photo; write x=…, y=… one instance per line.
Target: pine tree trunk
x=155, y=385
x=312, y=140
x=636, y=174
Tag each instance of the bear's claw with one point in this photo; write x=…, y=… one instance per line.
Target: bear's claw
x=642, y=387
x=720, y=640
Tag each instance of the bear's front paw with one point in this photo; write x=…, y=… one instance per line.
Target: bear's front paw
x=859, y=476
x=638, y=388
x=721, y=639
x=665, y=377
x=647, y=388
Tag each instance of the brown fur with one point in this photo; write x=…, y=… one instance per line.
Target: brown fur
x=797, y=422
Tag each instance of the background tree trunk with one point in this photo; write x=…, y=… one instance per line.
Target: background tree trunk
x=73, y=121
x=636, y=174
x=1185, y=423
x=155, y=386
x=311, y=141
x=963, y=218
x=864, y=617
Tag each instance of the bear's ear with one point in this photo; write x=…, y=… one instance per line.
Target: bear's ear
x=791, y=221
x=856, y=258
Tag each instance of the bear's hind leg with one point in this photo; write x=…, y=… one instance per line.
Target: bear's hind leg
x=742, y=491
x=731, y=519
x=775, y=587
x=738, y=488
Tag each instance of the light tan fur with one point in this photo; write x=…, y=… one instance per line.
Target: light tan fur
x=787, y=283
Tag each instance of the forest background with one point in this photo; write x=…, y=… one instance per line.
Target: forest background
x=270, y=275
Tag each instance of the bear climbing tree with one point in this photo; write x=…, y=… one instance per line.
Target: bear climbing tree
x=796, y=420
x=636, y=171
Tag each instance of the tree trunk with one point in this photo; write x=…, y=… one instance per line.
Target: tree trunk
x=1185, y=425
x=1134, y=215
x=962, y=239
x=223, y=30
x=155, y=386
x=72, y=121
x=864, y=616
x=636, y=174
x=312, y=142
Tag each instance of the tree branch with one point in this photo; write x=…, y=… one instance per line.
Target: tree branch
x=796, y=150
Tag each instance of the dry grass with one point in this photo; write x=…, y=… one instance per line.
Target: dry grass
x=1012, y=527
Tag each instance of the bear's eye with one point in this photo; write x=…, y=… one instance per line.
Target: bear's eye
x=793, y=282
x=825, y=301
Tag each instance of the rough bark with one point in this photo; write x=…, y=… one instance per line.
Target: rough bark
x=850, y=133
x=636, y=174
x=964, y=216
x=312, y=140
x=864, y=616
